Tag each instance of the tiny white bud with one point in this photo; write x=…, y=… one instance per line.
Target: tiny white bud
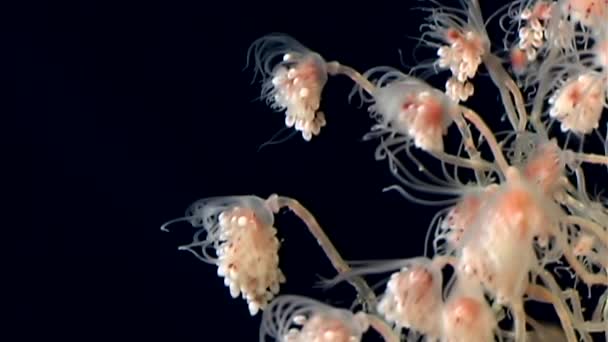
x=307, y=135
x=442, y=51
x=536, y=25
x=234, y=290
x=469, y=89
x=531, y=54
x=253, y=308
x=290, y=120
x=299, y=319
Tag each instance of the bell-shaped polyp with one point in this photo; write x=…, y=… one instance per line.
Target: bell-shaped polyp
x=238, y=236
x=296, y=87
x=412, y=298
x=460, y=217
x=545, y=167
x=467, y=318
x=413, y=294
x=294, y=78
x=291, y=318
x=459, y=35
x=409, y=107
x=579, y=102
x=540, y=160
x=498, y=249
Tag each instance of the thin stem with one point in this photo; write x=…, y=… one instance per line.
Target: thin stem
x=467, y=137
x=571, y=202
x=382, y=328
x=366, y=294
x=498, y=71
x=577, y=313
x=591, y=158
x=519, y=318
x=499, y=76
x=541, y=91
x=335, y=68
x=469, y=145
x=542, y=294
x=519, y=104
x=485, y=131
x=545, y=331
x=589, y=226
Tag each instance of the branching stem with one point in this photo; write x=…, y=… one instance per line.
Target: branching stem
x=366, y=294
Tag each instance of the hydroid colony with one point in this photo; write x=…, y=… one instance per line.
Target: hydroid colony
x=521, y=212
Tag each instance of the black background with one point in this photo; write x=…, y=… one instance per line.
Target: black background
x=126, y=112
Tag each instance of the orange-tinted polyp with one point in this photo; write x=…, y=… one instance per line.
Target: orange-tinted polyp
x=468, y=319
x=545, y=167
x=413, y=299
